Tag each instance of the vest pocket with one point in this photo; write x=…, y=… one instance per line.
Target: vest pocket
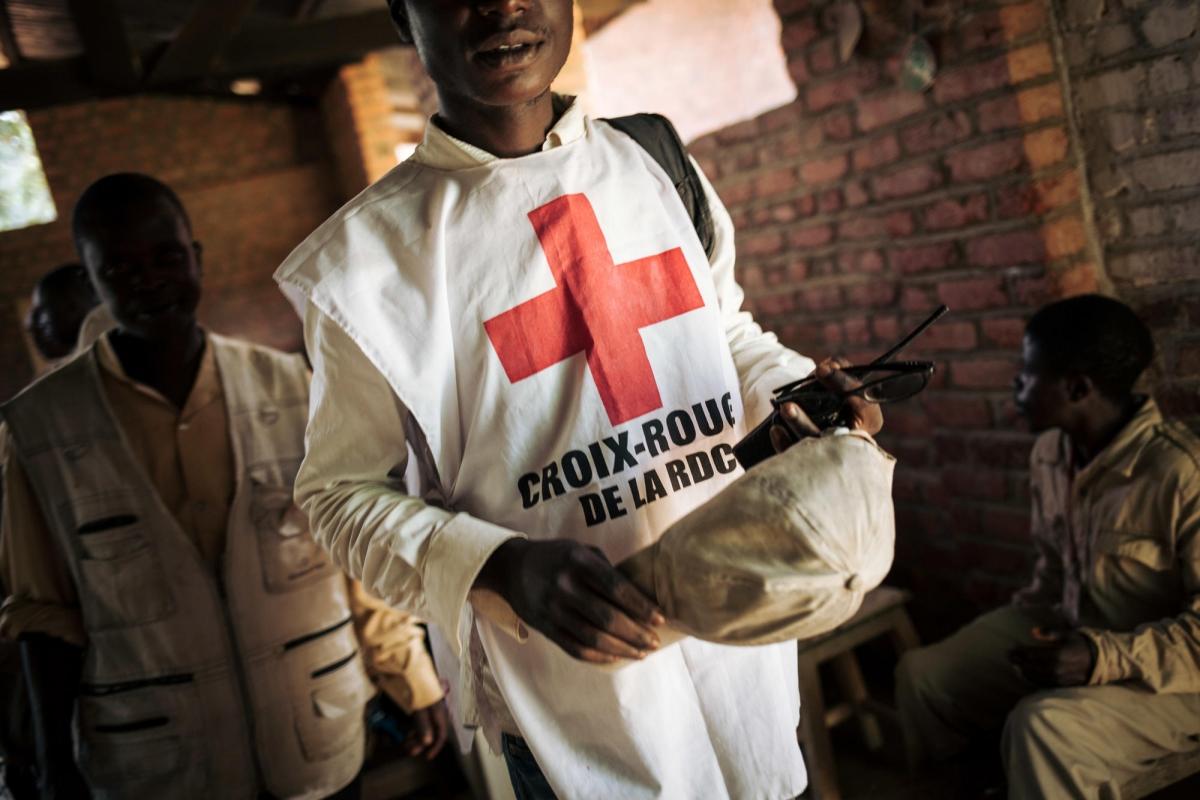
x=330, y=718
x=291, y=559
x=329, y=689
x=123, y=579
x=133, y=743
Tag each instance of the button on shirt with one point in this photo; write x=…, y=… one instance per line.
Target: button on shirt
x=1118, y=545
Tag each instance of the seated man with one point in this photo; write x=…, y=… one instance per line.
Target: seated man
x=165, y=590
x=1093, y=672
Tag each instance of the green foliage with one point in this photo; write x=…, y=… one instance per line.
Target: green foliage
x=24, y=195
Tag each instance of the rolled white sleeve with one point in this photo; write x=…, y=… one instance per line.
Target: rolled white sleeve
x=414, y=555
x=762, y=362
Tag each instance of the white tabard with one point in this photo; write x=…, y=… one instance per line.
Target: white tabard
x=559, y=337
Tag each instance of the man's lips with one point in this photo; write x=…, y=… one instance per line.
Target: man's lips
x=510, y=48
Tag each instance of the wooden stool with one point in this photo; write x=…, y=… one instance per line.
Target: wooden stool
x=882, y=612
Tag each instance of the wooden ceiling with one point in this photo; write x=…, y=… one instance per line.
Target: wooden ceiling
x=59, y=51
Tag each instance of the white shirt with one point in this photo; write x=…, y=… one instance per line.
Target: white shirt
x=407, y=380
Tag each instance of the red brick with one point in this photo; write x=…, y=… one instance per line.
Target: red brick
x=822, y=57
x=983, y=373
x=775, y=182
x=1005, y=332
x=936, y=133
x=1030, y=62
x=1064, y=237
x=957, y=411
x=764, y=244
x=1006, y=249
x=947, y=336
x=857, y=332
x=735, y=194
x=956, y=212
x=843, y=88
x=820, y=298
x=1046, y=147
x=806, y=205
x=859, y=227
x=975, y=483
x=877, y=152
x=1006, y=524
x=908, y=181
x=787, y=8
x=825, y=169
x=1023, y=20
x=924, y=258
x=871, y=295
x=1040, y=103
x=973, y=294
x=855, y=194
x=798, y=69
x=830, y=202
x=798, y=32
x=741, y=132
x=1002, y=112
x=885, y=327
x=782, y=212
x=987, y=161
x=964, y=82
x=900, y=224
x=883, y=109
x=1038, y=197
x=1002, y=449
x=810, y=237
x=779, y=118
x=917, y=298
x=838, y=126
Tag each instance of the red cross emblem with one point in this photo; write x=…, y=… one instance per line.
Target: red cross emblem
x=597, y=307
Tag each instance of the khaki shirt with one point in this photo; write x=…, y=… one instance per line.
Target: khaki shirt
x=1118, y=545
x=188, y=457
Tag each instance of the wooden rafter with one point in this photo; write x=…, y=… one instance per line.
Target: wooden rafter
x=211, y=26
x=113, y=61
x=8, y=42
x=312, y=44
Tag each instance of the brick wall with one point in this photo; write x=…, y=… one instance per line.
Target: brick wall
x=861, y=206
x=255, y=177
x=1134, y=70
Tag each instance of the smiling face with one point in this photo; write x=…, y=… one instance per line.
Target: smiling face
x=499, y=53
x=145, y=267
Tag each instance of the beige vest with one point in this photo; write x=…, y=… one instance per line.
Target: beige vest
x=195, y=685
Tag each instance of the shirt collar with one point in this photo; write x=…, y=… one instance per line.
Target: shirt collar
x=442, y=151
x=1121, y=454
x=205, y=390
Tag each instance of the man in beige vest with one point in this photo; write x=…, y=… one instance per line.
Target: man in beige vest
x=165, y=590
x=1093, y=672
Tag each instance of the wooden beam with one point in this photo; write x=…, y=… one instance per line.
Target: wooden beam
x=8, y=42
x=332, y=40
x=34, y=84
x=112, y=59
x=212, y=24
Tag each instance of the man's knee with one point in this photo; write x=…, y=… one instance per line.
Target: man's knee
x=919, y=675
x=1038, y=722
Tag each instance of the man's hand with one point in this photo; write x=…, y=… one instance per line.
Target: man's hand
x=862, y=415
x=1061, y=658
x=575, y=597
x=430, y=727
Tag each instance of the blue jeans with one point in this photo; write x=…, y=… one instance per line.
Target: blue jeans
x=527, y=779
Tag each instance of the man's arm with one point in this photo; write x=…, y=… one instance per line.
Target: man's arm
x=393, y=648
x=51, y=669
x=1042, y=598
x=1163, y=655
x=426, y=560
x=41, y=612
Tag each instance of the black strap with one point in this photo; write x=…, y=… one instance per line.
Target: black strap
x=658, y=137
